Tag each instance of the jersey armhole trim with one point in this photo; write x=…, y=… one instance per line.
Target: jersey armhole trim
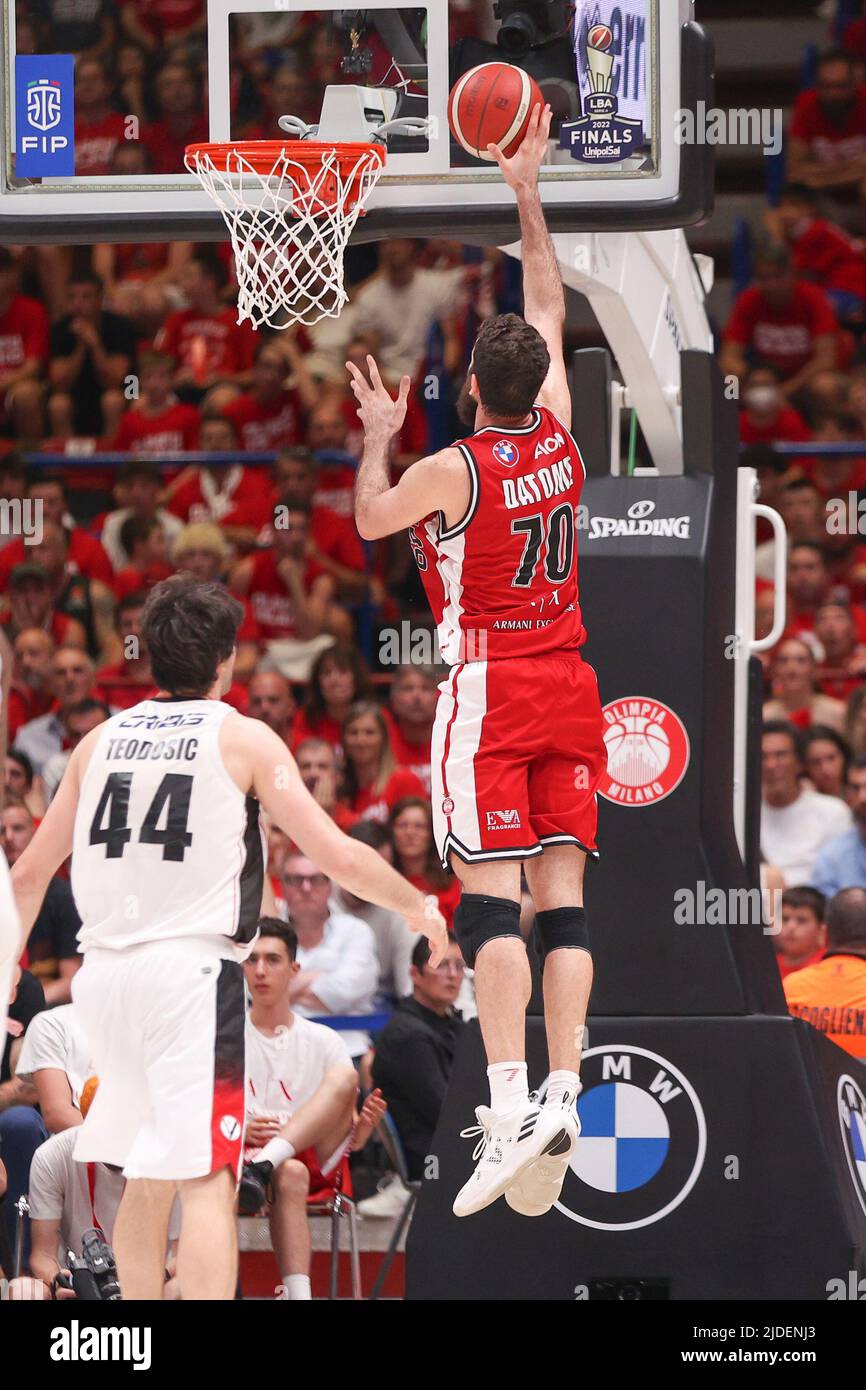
x=474, y=497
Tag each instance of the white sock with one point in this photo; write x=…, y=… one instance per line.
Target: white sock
x=298, y=1287
x=562, y=1088
x=508, y=1086
x=276, y=1151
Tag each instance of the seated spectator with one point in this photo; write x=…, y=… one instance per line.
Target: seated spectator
x=808, y=581
x=31, y=604
x=237, y=499
x=52, y=946
x=141, y=278
x=182, y=119
x=328, y=437
x=842, y=860
x=410, y=714
x=30, y=693
x=339, y=970
x=796, y=822
x=334, y=541
x=202, y=550
x=844, y=652
x=89, y=602
x=415, y=1052
x=99, y=127
x=271, y=414
x=205, y=342
x=300, y=1111
x=373, y=782
x=338, y=678
x=72, y=680
x=395, y=940
x=84, y=553
x=831, y=995
x=55, y=1058
x=92, y=352
x=144, y=541
x=293, y=600
x=415, y=855
x=781, y=320
x=20, y=782
x=801, y=507
x=23, y=356
x=826, y=147
x=139, y=484
x=400, y=306
x=822, y=252
x=412, y=439
x=794, y=695
x=320, y=774
x=803, y=936
x=158, y=423
x=272, y=700
x=164, y=26
x=80, y=720
x=766, y=415
x=826, y=757
x=834, y=476
x=21, y=1126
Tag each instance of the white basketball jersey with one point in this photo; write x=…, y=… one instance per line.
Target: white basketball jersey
x=165, y=843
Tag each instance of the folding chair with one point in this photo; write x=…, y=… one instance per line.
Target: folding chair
x=393, y=1146
x=339, y=1205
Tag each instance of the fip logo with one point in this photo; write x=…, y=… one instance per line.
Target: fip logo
x=44, y=116
x=642, y=1144
x=851, y=1104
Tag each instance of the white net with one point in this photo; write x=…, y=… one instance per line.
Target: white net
x=290, y=208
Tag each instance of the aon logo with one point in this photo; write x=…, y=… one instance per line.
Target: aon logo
x=549, y=446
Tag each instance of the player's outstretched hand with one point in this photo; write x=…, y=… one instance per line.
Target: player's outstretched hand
x=381, y=415
x=520, y=170
x=432, y=924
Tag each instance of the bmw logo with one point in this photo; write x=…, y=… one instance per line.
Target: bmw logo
x=642, y=1144
x=852, y=1120
x=506, y=452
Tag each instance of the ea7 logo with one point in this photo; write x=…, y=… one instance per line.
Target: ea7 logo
x=549, y=446
x=503, y=820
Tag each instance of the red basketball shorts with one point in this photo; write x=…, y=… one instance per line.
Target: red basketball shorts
x=516, y=759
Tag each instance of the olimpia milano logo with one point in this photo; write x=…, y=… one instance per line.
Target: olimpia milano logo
x=643, y=1140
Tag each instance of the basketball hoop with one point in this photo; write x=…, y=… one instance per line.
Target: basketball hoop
x=290, y=207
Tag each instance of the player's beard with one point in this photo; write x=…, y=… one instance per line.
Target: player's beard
x=466, y=406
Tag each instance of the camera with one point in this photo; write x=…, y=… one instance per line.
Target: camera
x=94, y=1273
x=524, y=24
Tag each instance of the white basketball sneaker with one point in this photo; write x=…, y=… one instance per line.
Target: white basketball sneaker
x=507, y=1145
x=537, y=1186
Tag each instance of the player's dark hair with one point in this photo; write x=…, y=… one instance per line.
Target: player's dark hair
x=189, y=629
x=272, y=926
x=807, y=897
x=781, y=726
x=846, y=917
x=510, y=362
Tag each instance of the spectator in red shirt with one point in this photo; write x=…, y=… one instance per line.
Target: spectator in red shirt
x=162, y=24
x=92, y=353
x=85, y=555
x=270, y=415
x=835, y=475
x=808, y=580
x=137, y=490
x=827, y=139
x=795, y=698
x=803, y=938
x=237, y=499
x=414, y=693
x=23, y=355
x=319, y=770
x=844, y=650
x=766, y=416
x=801, y=507
x=181, y=121
x=334, y=540
x=99, y=129
x=822, y=252
x=205, y=341
x=144, y=541
x=159, y=423
x=272, y=700
x=415, y=856
x=30, y=693
x=129, y=680
x=30, y=603
x=88, y=600
x=783, y=321
x=339, y=677
x=373, y=782
x=327, y=436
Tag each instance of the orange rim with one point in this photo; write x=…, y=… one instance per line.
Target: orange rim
x=262, y=155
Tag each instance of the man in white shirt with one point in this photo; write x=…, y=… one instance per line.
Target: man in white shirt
x=401, y=304
x=795, y=822
x=55, y=1058
x=300, y=1104
x=339, y=968
x=394, y=941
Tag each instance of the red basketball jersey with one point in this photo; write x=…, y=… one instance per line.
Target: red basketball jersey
x=503, y=581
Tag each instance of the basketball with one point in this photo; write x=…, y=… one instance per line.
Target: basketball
x=491, y=104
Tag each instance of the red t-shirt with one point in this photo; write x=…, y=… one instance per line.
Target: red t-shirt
x=784, y=337
x=269, y=598
x=373, y=805
x=238, y=697
x=210, y=342
x=139, y=261
x=854, y=478
x=86, y=555
x=244, y=499
x=176, y=427
x=261, y=428
x=447, y=897
x=827, y=142
x=788, y=425
x=336, y=489
x=162, y=17
x=166, y=147
x=26, y=704
x=830, y=258
x=121, y=689
x=130, y=580
x=58, y=627
x=24, y=333
x=324, y=727
x=414, y=756
x=96, y=142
